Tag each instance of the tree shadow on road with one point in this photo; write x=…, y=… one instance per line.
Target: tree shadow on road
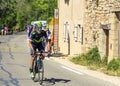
x=12, y=80
x=0, y=57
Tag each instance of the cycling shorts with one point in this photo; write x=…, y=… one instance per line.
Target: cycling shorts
x=37, y=48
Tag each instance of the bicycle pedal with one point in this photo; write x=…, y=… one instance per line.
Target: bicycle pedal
x=35, y=80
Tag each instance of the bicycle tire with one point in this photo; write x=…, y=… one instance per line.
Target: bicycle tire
x=34, y=68
x=40, y=71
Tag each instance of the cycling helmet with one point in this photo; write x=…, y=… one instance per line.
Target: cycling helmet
x=39, y=24
x=39, y=28
x=47, y=27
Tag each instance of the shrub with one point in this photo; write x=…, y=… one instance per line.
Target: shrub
x=90, y=58
x=76, y=59
x=79, y=60
x=93, y=56
x=114, y=65
x=105, y=60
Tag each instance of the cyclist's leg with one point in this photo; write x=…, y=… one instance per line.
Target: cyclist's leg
x=47, y=46
x=31, y=63
x=32, y=58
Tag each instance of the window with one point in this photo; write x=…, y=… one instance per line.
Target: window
x=78, y=33
x=66, y=31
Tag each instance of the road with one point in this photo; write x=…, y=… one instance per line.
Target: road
x=14, y=67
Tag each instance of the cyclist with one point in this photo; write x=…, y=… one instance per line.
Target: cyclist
x=29, y=29
x=2, y=30
x=48, y=32
x=35, y=42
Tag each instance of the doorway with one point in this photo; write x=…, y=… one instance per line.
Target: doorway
x=107, y=41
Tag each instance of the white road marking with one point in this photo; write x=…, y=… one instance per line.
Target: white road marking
x=72, y=70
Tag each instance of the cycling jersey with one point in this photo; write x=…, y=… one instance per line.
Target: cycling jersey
x=37, y=38
x=29, y=29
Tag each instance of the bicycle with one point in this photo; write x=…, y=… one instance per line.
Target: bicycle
x=38, y=67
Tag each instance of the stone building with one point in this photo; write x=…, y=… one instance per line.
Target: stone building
x=84, y=24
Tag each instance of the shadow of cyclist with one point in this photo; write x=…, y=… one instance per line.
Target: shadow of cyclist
x=53, y=80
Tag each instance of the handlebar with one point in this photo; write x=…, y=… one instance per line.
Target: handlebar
x=41, y=53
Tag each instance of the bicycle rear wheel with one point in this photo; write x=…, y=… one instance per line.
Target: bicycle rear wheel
x=40, y=71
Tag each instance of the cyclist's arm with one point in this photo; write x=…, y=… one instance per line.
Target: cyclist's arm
x=30, y=44
x=45, y=35
x=30, y=41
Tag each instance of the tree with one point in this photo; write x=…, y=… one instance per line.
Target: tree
x=7, y=13
x=21, y=12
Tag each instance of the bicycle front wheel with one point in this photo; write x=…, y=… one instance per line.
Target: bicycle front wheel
x=35, y=68
x=40, y=71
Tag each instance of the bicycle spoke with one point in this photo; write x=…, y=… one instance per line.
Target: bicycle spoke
x=38, y=68
x=41, y=73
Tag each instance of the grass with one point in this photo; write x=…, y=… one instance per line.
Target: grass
x=93, y=61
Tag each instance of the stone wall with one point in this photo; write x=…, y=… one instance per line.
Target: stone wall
x=94, y=17
x=90, y=16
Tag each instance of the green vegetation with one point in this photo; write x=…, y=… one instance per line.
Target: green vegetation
x=97, y=2
x=18, y=13
x=93, y=61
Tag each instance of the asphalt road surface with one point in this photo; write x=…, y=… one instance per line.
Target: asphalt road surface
x=14, y=67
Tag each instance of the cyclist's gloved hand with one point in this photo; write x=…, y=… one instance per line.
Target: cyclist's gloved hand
x=33, y=52
x=41, y=51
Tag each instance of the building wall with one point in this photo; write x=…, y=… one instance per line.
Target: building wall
x=95, y=16
x=76, y=19
x=64, y=16
x=90, y=17
x=113, y=38
x=70, y=12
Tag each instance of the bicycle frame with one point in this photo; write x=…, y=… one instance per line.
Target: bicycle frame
x=38, y=62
